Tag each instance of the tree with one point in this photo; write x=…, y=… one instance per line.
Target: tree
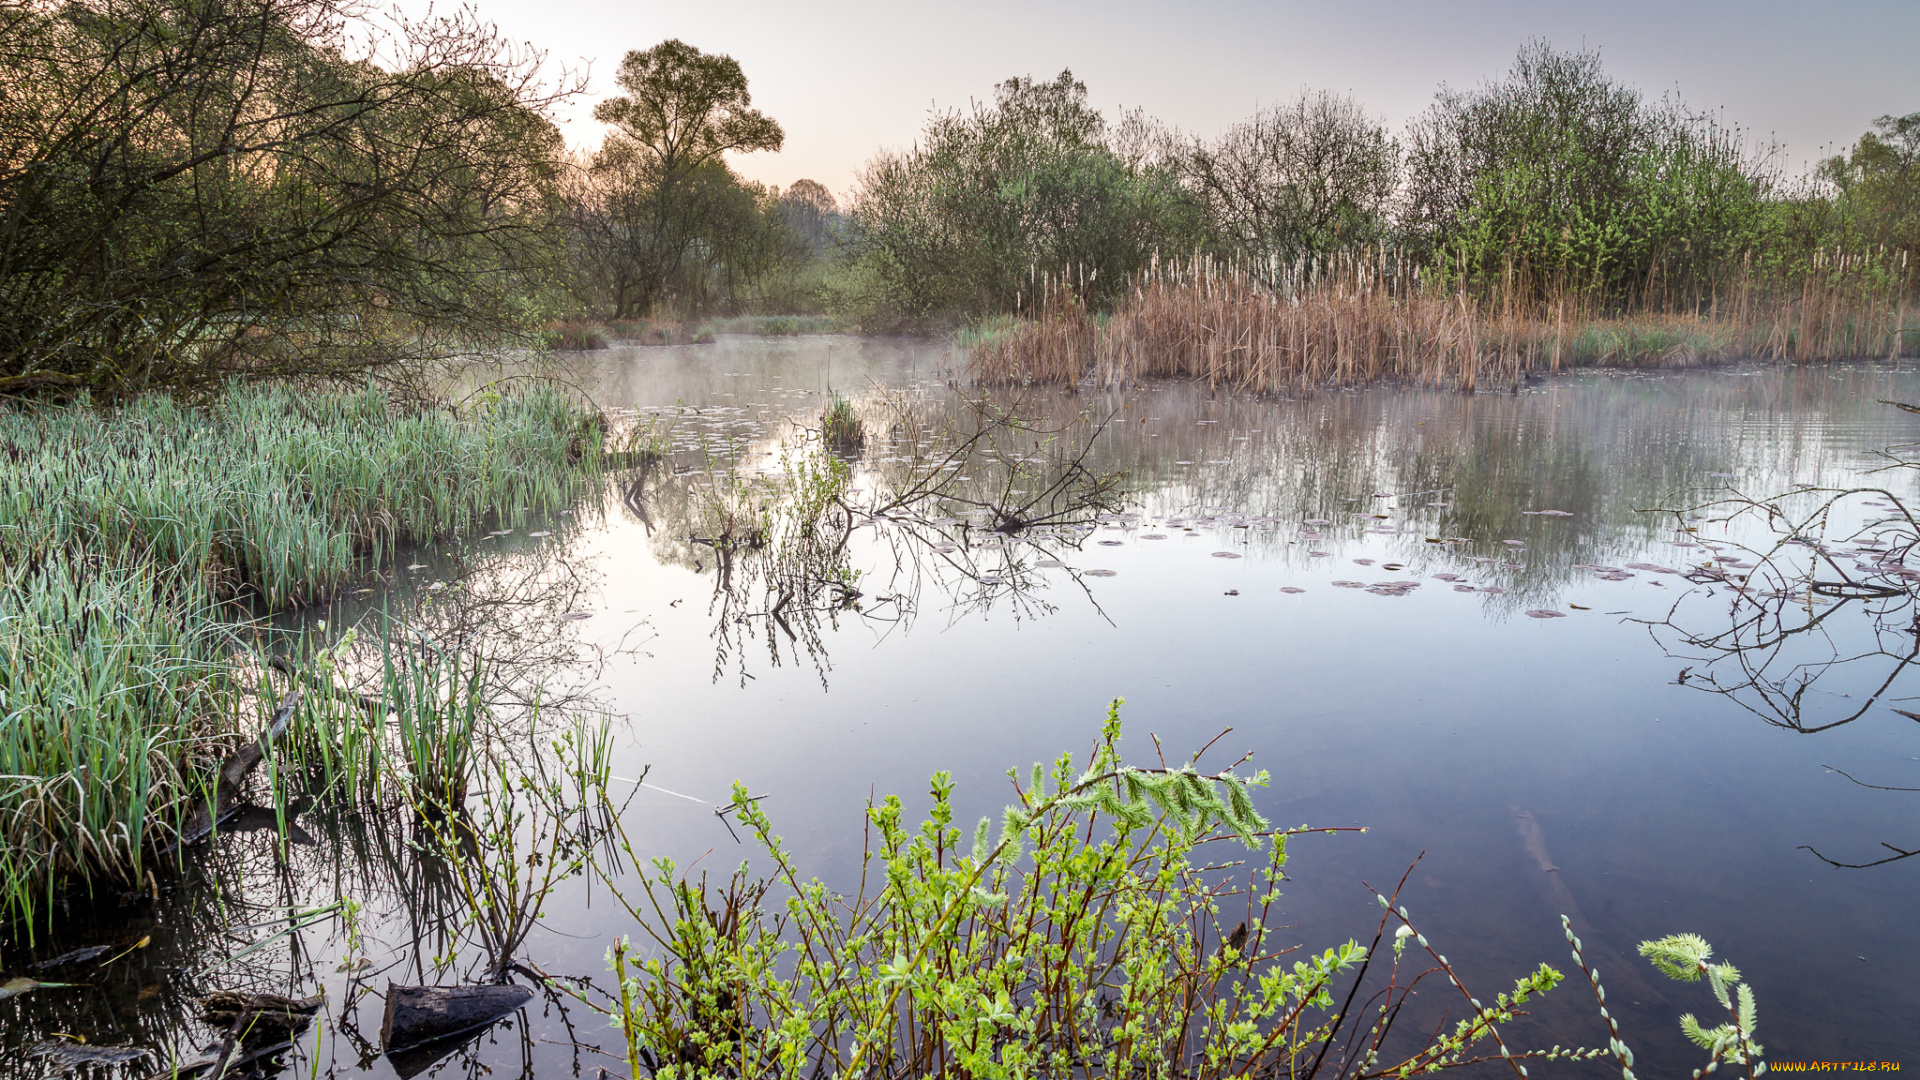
x=992, y=197
x=193, y=189
x=1298, y=182
x=1879, y=182
x=1558, y=173
x=663, y=165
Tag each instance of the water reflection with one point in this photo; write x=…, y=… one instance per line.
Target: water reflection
x=735, y=623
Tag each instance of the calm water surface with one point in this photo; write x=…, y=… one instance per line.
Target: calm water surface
x=1533, y=766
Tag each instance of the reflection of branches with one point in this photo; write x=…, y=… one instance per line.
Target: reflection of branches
x=1797, y=612
x=972, y=503
x=1807, y=608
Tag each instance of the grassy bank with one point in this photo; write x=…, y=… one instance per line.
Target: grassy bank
x=130, y=542
x=1365, y=320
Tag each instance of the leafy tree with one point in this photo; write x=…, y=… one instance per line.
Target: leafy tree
x=1879, y=183
x=665, y=186
x=994, y=197
x=1558, y=173
x=192, y=189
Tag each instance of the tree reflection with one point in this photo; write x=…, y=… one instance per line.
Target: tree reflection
x=967, y=505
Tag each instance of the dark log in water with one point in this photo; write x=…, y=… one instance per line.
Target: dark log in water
x=423, y=1014
x=233, y=775
x=227, y=1008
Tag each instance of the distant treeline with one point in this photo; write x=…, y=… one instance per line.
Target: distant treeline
x=1552, y=179
x=193, y=189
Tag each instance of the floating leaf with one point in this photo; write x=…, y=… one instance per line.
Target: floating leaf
x=1153, y=536
x=1363, y=562
x=542, y=533
x=1317, y=521
x=1514, y=543
x=1049, y=564
x=1292, y=589
x=1544, y=613
x=1100, y=573
x=1232, y=592
x=1109, y=543
x=1579, y=607
x=1349, y=585
x=1226, y=554
x=1393, y=566
x=1316, y=554
x=573, y=616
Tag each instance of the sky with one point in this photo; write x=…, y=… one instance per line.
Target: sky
x=846, y=78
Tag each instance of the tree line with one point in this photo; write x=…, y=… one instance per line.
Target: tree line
x=1552, y=177
x=194, y=189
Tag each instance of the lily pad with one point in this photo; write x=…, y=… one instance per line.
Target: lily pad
x=1546, y=613
x=1100, y=573
x=1292, y=589
x=1226, y=554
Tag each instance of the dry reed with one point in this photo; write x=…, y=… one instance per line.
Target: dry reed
x=1368, y=318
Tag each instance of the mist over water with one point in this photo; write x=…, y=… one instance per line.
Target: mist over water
x=1355, y=583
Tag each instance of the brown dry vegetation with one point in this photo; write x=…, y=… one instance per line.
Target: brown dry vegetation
x=1365, y=319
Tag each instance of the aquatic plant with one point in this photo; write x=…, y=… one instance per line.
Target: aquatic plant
x=575, y=336
x=840, y=426
x=107, y=682
x=127, y=537
x=1375, y=316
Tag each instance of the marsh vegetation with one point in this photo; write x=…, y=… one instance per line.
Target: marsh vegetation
x=316, y=558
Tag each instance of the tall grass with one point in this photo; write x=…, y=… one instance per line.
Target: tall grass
x=127, y=536
x=1367, y=318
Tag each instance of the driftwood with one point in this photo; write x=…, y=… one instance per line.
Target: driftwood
x=233, y=775
x=417, y=1015
x=225, y=1008
x=258, y=1026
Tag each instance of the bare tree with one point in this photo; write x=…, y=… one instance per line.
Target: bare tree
x=1299, y=181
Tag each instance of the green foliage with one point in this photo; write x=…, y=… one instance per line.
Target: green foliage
x=1558, y=173
x=1685, y=957
x=993, y=198
x=1878, y=183
x=1085, y=932
x=657, y=217
x=192, y=189
x=121, y=532
x=840, y=426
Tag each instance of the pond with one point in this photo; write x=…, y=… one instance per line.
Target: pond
x=1475, y=624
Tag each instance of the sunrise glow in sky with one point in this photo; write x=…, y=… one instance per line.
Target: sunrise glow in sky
x=847, y=78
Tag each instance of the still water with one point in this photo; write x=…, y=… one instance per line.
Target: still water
x=1451, y=618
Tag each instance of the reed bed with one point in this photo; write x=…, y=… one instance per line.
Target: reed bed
x=127, y=538
x=1365, y=319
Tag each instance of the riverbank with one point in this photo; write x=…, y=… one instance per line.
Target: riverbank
x=137, y=547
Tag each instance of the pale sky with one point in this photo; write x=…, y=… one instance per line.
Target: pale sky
x=848, y=77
